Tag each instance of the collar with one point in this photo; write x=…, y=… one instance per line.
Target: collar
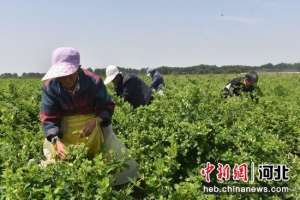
x=76, y=88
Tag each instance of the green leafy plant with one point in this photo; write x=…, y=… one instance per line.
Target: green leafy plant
x=171, y=139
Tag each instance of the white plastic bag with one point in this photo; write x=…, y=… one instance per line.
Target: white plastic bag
x=113, y=144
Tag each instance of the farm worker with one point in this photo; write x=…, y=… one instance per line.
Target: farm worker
x=246, y=84
x=76, y=109
x=158, y=82
x=130, y=87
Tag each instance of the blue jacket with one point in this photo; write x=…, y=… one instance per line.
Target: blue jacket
x=90, y=96
x=157, y=81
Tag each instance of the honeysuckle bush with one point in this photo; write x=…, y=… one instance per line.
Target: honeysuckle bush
x=171, y=139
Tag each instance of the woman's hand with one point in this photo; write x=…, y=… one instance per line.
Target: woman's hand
x=60, y=150
x=88, y=128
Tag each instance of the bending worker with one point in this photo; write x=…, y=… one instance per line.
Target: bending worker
x=130, y=87
x=158, y=82
x=76, y=108
x=246, y=84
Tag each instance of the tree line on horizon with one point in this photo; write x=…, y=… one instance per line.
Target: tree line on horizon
x=197, y=69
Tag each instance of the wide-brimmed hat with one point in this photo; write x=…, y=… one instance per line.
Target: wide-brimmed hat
x=65, y=61
x=111, y=72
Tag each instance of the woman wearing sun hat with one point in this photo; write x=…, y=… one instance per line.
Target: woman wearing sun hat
x=69, y=91
x=76, y=108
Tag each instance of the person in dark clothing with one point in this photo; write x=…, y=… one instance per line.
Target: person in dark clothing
x=130, y=87
x=158, y=82
x=246, y=84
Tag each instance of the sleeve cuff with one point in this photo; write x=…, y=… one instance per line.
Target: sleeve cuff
x=104, y=115
x=106, y=118
x=51, y=133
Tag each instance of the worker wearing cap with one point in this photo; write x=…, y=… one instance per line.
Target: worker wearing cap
x=130, y=87
x=158, y=82
x=246, y=84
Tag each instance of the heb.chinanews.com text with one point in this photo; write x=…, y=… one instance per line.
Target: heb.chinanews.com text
x=242, y=189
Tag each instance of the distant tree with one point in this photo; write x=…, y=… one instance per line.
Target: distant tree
x=9, y=75
x=100, y=72
x=32, y=75
x=197, y=69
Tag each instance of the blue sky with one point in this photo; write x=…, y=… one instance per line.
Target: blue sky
x=135, y=33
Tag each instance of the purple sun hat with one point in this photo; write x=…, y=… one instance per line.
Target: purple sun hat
x=65, y=61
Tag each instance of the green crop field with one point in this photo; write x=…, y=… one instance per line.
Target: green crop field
x=171, y=139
